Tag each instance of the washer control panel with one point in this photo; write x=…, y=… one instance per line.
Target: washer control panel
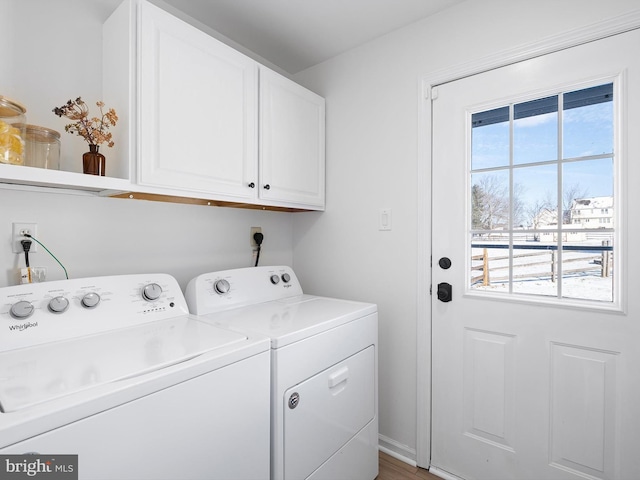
x=36, y=313
x=217, y=291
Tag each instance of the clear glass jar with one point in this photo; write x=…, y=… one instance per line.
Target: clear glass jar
x=42, y=147
x=12, y=131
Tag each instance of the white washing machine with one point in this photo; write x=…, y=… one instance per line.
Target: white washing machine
x=115, y=370
x=324, y=402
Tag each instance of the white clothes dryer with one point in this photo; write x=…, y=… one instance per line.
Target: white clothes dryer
x=115, y=370
x=324, y=358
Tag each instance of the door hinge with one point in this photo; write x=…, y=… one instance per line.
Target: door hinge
x=430, y=289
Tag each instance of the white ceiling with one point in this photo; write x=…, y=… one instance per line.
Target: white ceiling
x=297, y=34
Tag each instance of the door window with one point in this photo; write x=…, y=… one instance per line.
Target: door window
x=543, y=219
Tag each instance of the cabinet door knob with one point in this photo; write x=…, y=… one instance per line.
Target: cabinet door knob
x=267, y=186
x=252, y=185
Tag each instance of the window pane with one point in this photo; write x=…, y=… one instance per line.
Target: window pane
x=535, y=131
x=535, y=264
x=588, y=122
x=535, y=192
x=490, y=200
x=587, y=266
x=587, y=188
x=490, y=263
x=490, y=139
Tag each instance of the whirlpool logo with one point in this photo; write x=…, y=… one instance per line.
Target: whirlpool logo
x=49, y=467
x=23, y=326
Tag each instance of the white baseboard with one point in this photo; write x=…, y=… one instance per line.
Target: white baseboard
x=442, y=474
x=397, y=450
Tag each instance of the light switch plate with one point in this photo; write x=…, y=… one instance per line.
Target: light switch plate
x=384, y=219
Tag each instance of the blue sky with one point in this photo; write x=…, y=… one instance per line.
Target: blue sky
x=587, y=131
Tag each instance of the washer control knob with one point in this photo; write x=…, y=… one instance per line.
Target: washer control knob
x=90, y=300
x=151, y=292
x=58, y=304
x=286, y=278
x=275, y=279
x=221, y=286
x=21, y=310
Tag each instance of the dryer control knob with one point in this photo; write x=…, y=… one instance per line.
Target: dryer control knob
x=275, y=279
x=58, y=304
x=151, y=292
x=286, y=278
x=90, y=300
x=21, y=310
x=221, y=287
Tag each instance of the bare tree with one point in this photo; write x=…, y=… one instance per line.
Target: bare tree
x=542, y=210
x=519, y=207
x=490, y=203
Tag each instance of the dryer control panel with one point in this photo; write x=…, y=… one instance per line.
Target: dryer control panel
x=226, y=289
x=36, y=313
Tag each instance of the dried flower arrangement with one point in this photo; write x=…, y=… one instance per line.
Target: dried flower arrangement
x=93, y=130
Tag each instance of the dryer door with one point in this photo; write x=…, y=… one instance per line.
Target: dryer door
x=323, y=412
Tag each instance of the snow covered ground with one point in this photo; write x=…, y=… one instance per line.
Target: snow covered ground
x=583, y=287
x=532, y=274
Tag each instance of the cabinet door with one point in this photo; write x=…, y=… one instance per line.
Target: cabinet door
x=291, y=142
x=197, y=109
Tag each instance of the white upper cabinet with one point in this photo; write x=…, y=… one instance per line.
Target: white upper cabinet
x=200, y=123
x=197, y=109
x=292, y=133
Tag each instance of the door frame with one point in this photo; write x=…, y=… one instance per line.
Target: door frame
x=428, y=91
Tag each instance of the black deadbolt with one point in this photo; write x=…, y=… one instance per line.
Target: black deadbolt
x=444, y=292
x=444, y=263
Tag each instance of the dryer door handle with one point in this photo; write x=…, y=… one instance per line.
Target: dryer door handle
x=338, y=377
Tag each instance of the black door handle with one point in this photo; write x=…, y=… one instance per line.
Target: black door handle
x=444, y=292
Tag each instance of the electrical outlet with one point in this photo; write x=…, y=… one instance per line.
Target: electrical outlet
x=19, y=229
x=254, y=230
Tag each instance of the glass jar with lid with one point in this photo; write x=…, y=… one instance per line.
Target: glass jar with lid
x=42, y=147
x=12, y=131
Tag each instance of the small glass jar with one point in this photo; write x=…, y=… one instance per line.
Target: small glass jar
x=12, y=131
x=42, y=147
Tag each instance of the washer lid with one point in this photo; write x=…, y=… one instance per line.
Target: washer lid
x=292, y=319
x=41, y=373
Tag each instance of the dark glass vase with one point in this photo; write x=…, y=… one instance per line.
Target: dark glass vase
x=93, y=162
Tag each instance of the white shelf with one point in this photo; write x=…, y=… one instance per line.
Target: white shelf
x=40, y=177
x=30, y=178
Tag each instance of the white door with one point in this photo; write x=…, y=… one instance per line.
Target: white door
x=535, y=205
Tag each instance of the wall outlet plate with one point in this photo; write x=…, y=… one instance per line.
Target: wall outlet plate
x=19, y=229
x=253, y=231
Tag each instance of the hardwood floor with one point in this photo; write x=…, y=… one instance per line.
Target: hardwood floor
x=394, y=469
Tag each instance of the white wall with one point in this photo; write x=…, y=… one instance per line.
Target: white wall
x=51, y=53
x=94, y=236
x=372, y=95
x=372, y=160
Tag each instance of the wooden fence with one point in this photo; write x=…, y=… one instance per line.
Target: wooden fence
x=600, y=264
